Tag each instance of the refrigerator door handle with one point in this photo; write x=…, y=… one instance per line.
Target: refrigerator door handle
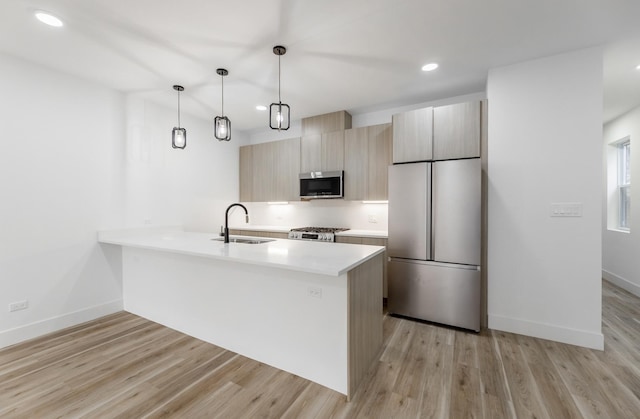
x=430, y=212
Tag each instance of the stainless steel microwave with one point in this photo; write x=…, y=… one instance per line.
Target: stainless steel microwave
x=322, y=184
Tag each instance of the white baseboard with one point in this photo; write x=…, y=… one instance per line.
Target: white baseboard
x=555, y=333
x=42, y=327
x=621, y=282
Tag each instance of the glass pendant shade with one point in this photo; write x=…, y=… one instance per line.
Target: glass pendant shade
x=279, y=113
x=178, y=135
x=179, y=138
x=222, y=124
x=279, y=116
x=222, y=128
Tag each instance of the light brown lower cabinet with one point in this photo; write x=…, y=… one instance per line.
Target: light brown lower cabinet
x=259, y=233
x=371, y=241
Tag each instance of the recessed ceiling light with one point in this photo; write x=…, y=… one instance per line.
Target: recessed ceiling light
x=48, y=19
x=261, y=108
x=638, y=67
x=429, y=67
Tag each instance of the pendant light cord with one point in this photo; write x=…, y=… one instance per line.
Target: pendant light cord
x=178, y=108
x=222, y=96
x=279, y=98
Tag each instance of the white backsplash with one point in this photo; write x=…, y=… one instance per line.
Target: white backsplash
x=321, y=213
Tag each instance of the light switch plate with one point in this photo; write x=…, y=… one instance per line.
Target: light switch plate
x=566, y=209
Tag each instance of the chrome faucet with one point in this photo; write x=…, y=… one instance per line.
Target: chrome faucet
x=226, y=219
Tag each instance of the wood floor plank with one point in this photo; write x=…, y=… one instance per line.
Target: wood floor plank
x=410, y=379
x=465, y=384
x=123, y=366
x=89, y=387
x=496, y=399
x=223, y=363
x=556, y=397
x=522, y=386
x=309, y=404
x=435, y=398
x=589, y=383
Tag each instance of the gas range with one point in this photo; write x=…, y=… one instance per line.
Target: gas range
x=325, y=234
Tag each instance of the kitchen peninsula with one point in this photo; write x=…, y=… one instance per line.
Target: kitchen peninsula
x=313, y=309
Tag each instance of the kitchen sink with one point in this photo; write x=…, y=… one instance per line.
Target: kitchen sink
x=244, y=240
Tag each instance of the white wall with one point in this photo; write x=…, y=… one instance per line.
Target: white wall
x=60, y=179
x=620, y=250
x=165, y=186
x=545, y=146
x=320, y=213
x=83, y=158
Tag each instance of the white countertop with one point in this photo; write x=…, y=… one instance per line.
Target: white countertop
x=332, y=259
x=382, y=234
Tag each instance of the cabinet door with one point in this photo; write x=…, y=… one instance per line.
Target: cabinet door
x=333, y=151
x=246, y=173
x=276, y=166
x=356, y=163
x=286, y=168
x=413, y=136
x=456, y=131
x=334, y=121
x=380, y=146
x=349, y=239
x=311, y=153
x=262, y=188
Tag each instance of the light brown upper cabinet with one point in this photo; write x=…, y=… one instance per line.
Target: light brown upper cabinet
x=413, y=136
x=310, y=153
x=380, y=158
x=367, y=155
x=332, y=151
x=269, y=171
x=456, y=131
x=322, y=152
x=440, y=133
x=356, y=163
x=329, y=122
x=246, y=173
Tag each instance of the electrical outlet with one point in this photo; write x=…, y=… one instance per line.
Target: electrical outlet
x=315, y=292
x=19, y=305
x=373, y=219
x=566, y=209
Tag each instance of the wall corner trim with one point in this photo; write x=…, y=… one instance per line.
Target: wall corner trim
x=621, y=282
x=584, y=338
x=53, y=324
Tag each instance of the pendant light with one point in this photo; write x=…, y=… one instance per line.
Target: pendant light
x=279, y=113
x=222, y=125
x=178, y=135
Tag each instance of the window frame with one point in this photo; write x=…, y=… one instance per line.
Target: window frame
x=624, y=183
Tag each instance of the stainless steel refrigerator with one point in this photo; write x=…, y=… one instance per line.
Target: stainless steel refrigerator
x=434, y=241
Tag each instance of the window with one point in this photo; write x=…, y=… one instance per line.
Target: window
x=624, y=183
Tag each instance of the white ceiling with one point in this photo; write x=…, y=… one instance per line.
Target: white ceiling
x=357, y=55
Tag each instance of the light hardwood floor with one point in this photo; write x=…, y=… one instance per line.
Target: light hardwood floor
x=125, y=366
